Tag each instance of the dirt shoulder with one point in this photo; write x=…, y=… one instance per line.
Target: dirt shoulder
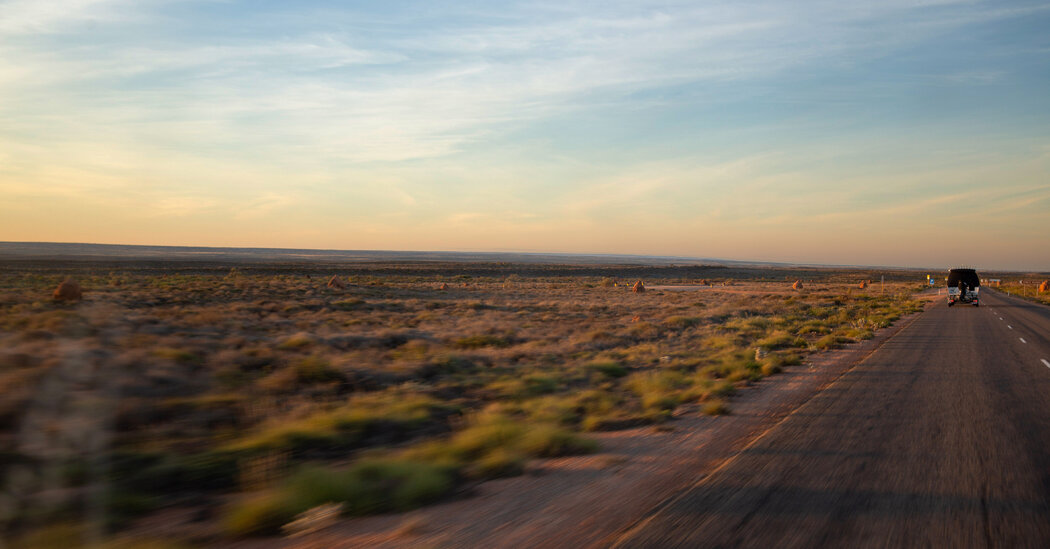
x=585, y=501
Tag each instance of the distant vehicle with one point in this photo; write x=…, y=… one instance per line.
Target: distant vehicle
x=963, y=287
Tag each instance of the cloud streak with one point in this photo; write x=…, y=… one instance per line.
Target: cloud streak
x=432, y=94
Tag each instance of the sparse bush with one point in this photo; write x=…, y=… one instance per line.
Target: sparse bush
x=262, y=514
x=492, y=432
x=366, y=487
x=679, y=322
x=830, y=341
x=715, y=407
x=479, y=341
x=643, y=331
x=314, y=369
x=552, y=441
x=777, y=340
x=392, y=416
x=769, y=369
x=609, y=369
x=498, y=463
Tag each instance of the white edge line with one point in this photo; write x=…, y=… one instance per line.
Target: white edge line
x=1022, y=340
x=1045, y=362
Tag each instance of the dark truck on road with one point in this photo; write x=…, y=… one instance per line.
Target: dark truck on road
x=963, y=287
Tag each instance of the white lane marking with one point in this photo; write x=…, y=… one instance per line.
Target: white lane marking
x=1045, y=362
x=1022, y=340
x=1009, y=326
x=1000, y=318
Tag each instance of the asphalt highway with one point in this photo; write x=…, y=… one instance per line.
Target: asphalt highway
x=941, y=438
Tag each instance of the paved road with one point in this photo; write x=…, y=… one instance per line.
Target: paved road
x=941, y=438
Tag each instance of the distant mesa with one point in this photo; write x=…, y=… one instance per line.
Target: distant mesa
x=638, y=287
x=797, y=285
x=68, y=290
x=1044, y=287
x=335, y=283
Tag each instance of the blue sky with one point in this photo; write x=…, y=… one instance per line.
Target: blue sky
x=819, y=132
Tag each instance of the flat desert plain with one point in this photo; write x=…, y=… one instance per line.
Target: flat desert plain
x=196, y=403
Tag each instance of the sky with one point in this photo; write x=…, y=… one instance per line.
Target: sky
x=907, y=133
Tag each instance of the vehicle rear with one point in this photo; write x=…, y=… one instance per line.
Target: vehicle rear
x=964, y=286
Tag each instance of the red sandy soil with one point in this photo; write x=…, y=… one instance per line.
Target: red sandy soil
x=588, y=501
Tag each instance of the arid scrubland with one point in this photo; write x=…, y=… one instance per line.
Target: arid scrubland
x=1031, y=290
x=250, y=395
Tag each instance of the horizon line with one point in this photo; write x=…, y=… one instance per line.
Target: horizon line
x=561, y=254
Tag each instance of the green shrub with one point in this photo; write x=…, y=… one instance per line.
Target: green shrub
x=561, y=410
x=830, y=341
x=315, y=369
x=659, y=390
x=778, y=340
x=492, y=442
x=552, y=441
x=479, y=341
x=679, y=322
x=724, y=388
x=769, y=369
x=526, y=387
x=487, y=433
x=540, y=385
x=344, y=427
x=261, y=515
x=813, y=327
x=859, y=334
x=654, y=401
x=499, y=463
x=596, y=402
x=369, y=486
x=366, y=487
x=609, y=369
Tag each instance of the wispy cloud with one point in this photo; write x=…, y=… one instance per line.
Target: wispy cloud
x=435, y=92
x=45, y=16
x=261, y=206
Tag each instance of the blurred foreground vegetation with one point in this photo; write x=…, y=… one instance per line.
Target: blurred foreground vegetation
x=245, y=396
